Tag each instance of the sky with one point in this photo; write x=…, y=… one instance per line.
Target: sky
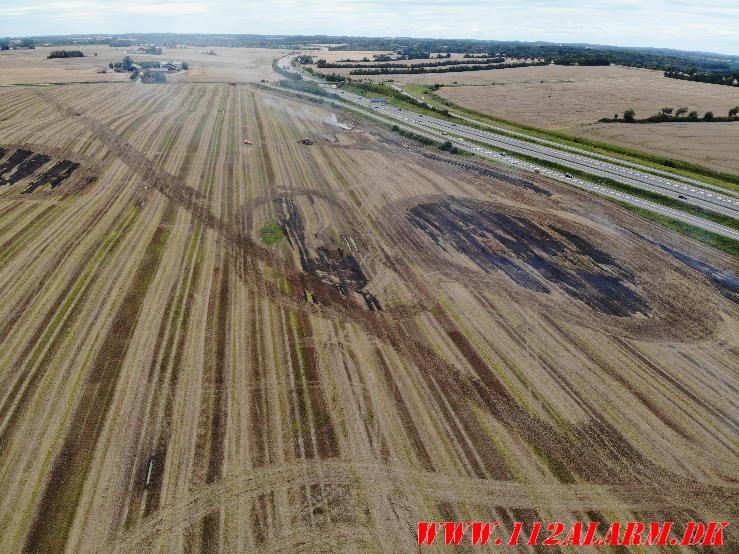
x=708, y=25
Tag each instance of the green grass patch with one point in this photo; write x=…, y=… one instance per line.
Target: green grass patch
x=446, y=146
x=271, y=233
x=720, y=242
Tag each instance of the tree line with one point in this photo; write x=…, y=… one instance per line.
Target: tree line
x=289, y=74
x=65, y=54
x=323, y=64
x=452, y=69
x=307, y=86
x=649, y=58
x=731, y=79
x=671, y=115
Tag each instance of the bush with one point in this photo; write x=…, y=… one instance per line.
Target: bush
x=271, y=233
x=449, y=147
x=65, y=54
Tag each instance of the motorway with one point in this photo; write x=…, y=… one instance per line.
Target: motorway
x=709, y=200
x=463, y=136
x=561, y=146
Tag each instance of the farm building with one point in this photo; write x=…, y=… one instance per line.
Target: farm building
x=173, y=66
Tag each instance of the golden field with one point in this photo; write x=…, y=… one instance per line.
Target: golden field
x=427, y=342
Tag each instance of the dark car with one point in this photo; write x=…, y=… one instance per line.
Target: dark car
x=682, y=197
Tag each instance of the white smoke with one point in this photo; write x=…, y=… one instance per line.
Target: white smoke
x=331, y=120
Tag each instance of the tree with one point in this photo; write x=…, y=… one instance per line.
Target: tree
x=708, y=116
x=65, y=54
x=4, y=46
x=733, y=111
x=185, y=66
x=666, y=111
x=127, y=61
x=629, y=115
x=27, y=43
x=681, y=111
x=693, y=115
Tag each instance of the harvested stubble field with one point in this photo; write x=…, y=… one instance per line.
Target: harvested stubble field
x=429, y=342
x=711, y=144
x=573, y=95
x=227, y=64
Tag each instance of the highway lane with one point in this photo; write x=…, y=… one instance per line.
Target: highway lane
x=706, y=199
x=408, y=121
x=587, y=153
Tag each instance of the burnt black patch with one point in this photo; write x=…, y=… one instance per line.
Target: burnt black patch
x=26, y=167
x=59, y=172
x=333, y=265
x=490, y=173
x=537, y=257
x=9, y=165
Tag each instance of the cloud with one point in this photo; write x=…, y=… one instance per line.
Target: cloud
x=681, y=24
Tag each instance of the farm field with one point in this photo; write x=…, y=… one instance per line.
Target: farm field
x=228, y=64
x=572, y=99
x=709, y=144
x=430, y=340
x=573, y=95
x=32, y=66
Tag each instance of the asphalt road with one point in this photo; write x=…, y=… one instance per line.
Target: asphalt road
x=559, y=145
x=707, y=199
x=461, y=135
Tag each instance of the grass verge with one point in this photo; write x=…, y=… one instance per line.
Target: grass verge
x=677, y=167
x=725, y=244
x=628, y=189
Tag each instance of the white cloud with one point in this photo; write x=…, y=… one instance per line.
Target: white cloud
x=682, y=24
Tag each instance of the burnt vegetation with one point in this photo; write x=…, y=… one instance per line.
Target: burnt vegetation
x=334, y=265
x=36, y=170
x=537, y=257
